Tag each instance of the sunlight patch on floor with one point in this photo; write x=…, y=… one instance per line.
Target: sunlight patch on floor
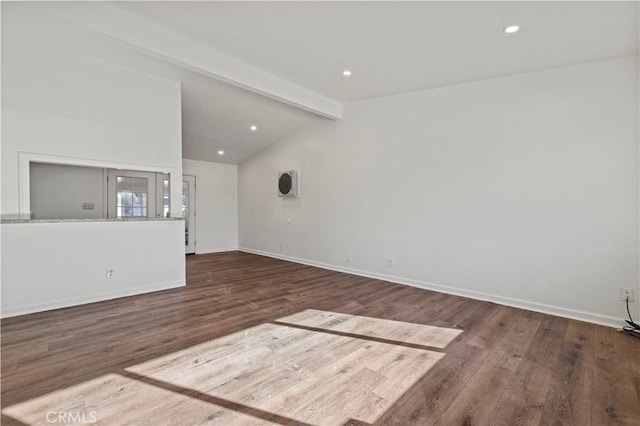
x=272, y=372
x=399, y=331
x=115, y=400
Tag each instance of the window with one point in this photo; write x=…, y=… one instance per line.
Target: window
x=134, y=194
x=132, y=197
x=165, y=198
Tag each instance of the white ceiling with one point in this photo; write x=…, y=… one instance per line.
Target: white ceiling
x=394, y=47
x=279, y=64
x=217, y=115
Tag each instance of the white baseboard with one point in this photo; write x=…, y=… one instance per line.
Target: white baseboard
x=99, y=297
x=217, y=250
x=502, y=300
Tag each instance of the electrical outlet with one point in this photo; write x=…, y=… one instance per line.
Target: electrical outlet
x=389, y=263
x=349, y=258
x=281, y=246
x=626, y=292
x=109, y=273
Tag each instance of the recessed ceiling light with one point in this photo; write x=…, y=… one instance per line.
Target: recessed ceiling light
x=511, y=29
x=254, y=128
x=220, y=152
x=346, y=73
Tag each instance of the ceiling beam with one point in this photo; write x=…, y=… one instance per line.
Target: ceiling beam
x=158, y=41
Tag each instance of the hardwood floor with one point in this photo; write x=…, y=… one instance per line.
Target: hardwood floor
x=254, y=340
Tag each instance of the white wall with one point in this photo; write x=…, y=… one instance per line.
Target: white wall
x=521, y=190
x=58, y=102
x=53, y=265
x=216, y=205
x=64, y=102
x=59, y=192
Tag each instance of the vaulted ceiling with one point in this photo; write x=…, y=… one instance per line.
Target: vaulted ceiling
x=279, y=65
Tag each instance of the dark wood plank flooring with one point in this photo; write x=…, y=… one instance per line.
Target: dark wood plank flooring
x=508, y=366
